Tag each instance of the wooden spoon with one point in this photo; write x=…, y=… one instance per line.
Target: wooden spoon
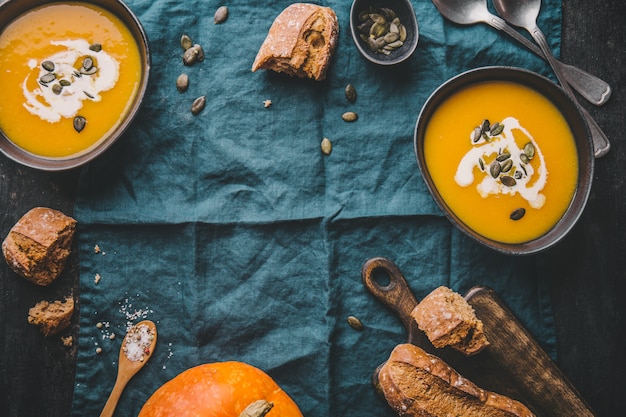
x=133, y=356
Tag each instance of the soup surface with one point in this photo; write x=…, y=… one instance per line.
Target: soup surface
x=503, y=159
x=68, y=74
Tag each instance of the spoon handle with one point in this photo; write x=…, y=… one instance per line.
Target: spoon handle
x=592, y=88
x=114, y=397
x=601, y=143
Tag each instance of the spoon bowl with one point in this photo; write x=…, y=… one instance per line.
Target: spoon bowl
x=403, y=9
x=137, y=347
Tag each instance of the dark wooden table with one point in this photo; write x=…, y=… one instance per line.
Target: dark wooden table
x=587, y=271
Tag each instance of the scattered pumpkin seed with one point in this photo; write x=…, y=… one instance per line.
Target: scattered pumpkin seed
x=481, y=163
x=350, y=93
x=350, y=116
x=185, y=42
x=355, y=323
x=503, y=157
x=79, y=123
x=56, y=89
x=326, y=146
x=88, y=95
x=87, y=63
x=494, y=169
x=48, y=78
x=518, y=213
x=89, y=71
x=529, y=150
x=96, y=47
x=507, y=165
x=221, y=14
x=476, y=134
x=198, y=105
x=518, y=175
x=65, y=83
x=496, y=129
x=524, y=158
x=508, y=180
x=48, y=66
x=190, y=56
x=182, y=83
x=200, y=56
x=485, y=126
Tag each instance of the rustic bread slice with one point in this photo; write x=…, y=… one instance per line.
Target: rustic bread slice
x=449, y=320
x=417, y=384
x=38, y=245
x=300, y=42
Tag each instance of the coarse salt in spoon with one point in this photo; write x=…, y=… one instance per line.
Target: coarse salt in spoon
x=137, y=347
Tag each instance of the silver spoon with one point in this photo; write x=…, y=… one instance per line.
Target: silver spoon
x=523, y=13
x=468, y=12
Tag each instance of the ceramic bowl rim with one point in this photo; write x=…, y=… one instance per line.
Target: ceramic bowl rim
x=577, y=124
x=125, y=14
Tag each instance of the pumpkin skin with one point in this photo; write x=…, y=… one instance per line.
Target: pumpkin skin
x=221, y=389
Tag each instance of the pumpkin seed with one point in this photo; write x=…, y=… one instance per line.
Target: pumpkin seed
x=524, y=158
x=88, y=95
x=496, y=129
x=485, y=126
x=87, y=63
x=508, y=180
x=200, y=56
x=48, y=66
x=198, y=105
x=494, y=169
x=65, y=83
x=391, y=37
x=96, y=47
x=402, y=31
x=481, y=163
x=56, y=89
x=89, y=71
x=518, y=213
x=221, y=14
x=476, y=134
x=185, y=42
x=182, y=82
x=350, y=116
x=190, y=55
x=503, y=157
x=48, y=78
x=79, y=123
x=529, y=150
x=326, y=146
x=518, y=175
x=378, y=30
x=355, y=323
x=507, y=165
x=381, y=30
x=350, y=93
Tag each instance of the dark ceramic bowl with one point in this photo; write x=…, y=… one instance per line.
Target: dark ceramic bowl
x=572, y=116
x=10, y=10
x=404, y=11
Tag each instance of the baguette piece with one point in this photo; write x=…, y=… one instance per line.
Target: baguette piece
x=38, y=245
x=52, y=317
x=300, y=42
x=448, y=320
x=418, y=384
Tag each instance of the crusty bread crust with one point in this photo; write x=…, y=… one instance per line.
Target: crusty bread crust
x=300, y=42
x=417, y=384
x=448, y=320
x=38, y=245
x=52, y=317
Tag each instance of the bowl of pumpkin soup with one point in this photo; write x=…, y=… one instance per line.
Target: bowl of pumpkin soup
x=73, y=76
x=507, y=157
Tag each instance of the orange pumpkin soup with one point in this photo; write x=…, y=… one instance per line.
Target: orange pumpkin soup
x=69, y=73
x=503, y=159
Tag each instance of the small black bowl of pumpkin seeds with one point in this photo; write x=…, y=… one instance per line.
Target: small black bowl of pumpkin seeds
x=384, y=32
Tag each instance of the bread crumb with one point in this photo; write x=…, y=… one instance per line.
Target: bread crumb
x=98, y=350
x=97, y=279
x=67, y=341
x=53, y=317
x=267, y=103
x=96, y=248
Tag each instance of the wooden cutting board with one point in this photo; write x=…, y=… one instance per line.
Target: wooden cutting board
x=514, y=365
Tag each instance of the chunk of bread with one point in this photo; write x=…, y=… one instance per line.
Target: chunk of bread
x=418, y=384
x=52, y=317
x=300, y=42
x=39, y=244
x=448, y=320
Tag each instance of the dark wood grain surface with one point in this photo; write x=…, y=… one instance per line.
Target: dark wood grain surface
x=586, y=271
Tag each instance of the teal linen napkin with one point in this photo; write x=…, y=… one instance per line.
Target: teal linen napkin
x=242, y=241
